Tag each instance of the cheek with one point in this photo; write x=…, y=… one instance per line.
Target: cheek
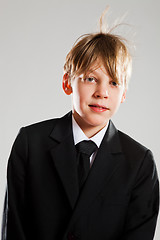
x=78, y=98
x=116, y=99
x=81, y=95
x=84, y=94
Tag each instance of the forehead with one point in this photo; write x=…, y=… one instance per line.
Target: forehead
x=97, y=67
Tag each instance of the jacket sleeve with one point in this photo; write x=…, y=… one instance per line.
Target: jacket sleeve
x=144, y=203
x=13, y=226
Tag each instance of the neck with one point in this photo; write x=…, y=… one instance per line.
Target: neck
x=89, y=130
x=92, y=132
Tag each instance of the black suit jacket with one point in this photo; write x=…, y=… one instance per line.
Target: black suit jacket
x=119, y=200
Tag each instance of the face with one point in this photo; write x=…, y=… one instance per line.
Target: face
x=95, y=98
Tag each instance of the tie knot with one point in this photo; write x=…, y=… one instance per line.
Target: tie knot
x=86, y=147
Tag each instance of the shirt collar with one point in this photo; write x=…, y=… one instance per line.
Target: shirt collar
x=78, y=134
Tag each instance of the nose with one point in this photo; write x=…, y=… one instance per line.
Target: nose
x=101, y=91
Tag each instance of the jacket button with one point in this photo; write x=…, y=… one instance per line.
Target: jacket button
x=71, y=236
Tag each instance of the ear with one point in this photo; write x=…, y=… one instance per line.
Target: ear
x=124, y=96
x=66, y=84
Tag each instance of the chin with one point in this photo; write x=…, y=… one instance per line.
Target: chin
x=97, y=122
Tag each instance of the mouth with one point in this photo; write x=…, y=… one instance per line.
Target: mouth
x=98, y=108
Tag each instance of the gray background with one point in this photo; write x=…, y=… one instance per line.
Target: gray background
x=36, y=35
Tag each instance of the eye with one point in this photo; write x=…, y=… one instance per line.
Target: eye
x=113, y=83
x=90, y=79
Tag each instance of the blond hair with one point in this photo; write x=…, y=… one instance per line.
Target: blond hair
x=109, y=49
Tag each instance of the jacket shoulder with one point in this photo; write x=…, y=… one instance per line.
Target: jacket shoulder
x=40, y=128
x=42, y=124
x=137, y=155
x=131, y=147
x=44, y=127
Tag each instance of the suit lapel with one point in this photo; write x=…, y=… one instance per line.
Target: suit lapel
x=64, y=157
x=106, y=163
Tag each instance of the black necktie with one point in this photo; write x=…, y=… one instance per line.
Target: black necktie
x=84, y=151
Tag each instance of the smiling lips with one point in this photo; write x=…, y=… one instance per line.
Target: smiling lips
x=98, y=108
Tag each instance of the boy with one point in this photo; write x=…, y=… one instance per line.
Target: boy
x=53, y=193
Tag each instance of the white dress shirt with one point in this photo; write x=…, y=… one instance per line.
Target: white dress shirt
x=78, y=136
